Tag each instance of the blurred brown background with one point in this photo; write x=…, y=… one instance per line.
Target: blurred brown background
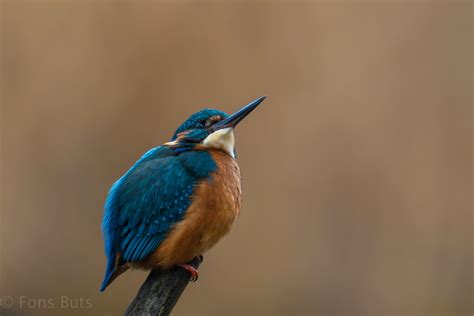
x=357, y=168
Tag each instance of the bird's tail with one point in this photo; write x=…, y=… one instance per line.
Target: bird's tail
x=113, y=270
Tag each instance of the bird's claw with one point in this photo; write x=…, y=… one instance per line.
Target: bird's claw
x=192, y=270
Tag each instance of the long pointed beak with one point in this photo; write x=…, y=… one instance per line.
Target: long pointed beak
x=234, y=119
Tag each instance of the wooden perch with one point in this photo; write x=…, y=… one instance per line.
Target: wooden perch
x=160, y=292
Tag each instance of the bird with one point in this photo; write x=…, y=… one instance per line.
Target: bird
x=178, y=200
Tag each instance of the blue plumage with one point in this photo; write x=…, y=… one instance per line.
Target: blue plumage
x=144, y=203
x=197, y=121
x=149, y=199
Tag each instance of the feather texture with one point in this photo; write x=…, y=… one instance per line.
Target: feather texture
x=144, y=204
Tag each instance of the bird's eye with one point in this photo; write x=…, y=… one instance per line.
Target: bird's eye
x=208, y=123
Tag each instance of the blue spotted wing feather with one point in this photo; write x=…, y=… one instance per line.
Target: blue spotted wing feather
x=145, y=203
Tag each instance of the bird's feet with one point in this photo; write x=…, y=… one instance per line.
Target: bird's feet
x=192, y=270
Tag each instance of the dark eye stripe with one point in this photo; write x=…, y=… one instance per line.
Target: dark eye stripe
x=212, y=120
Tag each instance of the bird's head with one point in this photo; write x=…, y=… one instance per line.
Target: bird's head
x=210, y=128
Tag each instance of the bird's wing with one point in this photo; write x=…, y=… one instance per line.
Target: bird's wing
x=153, y=195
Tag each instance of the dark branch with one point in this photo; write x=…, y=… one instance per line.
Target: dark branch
x=161, y=291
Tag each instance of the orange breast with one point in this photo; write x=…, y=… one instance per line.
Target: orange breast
x=216, y=204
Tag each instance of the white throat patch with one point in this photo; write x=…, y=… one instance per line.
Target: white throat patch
x=223, y=139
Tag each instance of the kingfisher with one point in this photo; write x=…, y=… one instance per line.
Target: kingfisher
x=178, y=200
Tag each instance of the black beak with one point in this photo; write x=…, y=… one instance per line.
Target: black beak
x=238, y=116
